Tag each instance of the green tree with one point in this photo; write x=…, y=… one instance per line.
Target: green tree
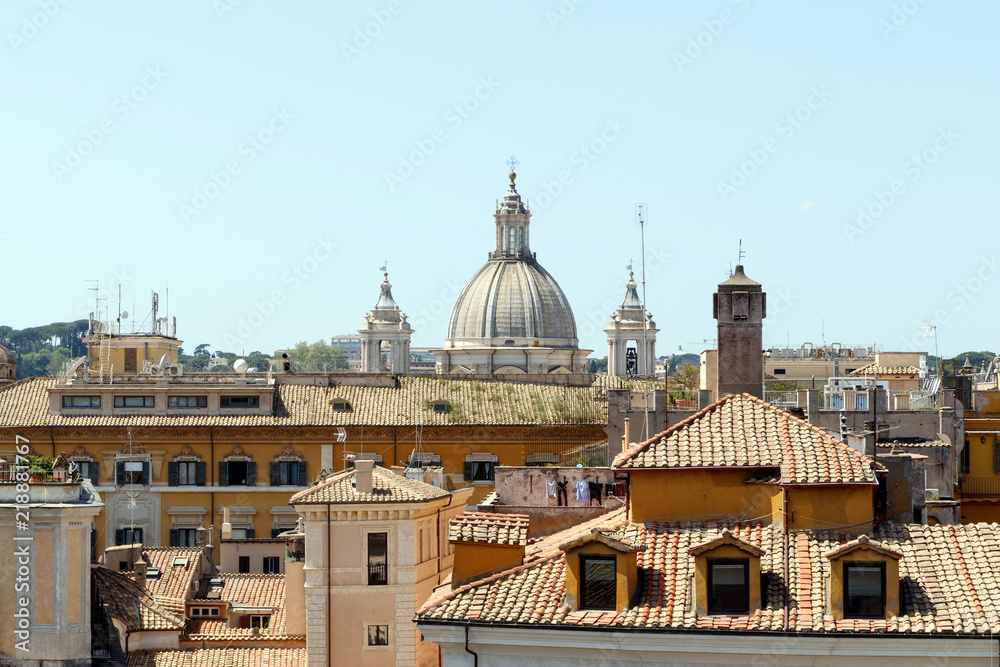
x=313, y=357
x=202, y=350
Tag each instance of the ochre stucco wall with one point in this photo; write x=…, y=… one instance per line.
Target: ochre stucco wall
x=869, y=556
x=831, y=507
x=696, y=495
x=473, y=559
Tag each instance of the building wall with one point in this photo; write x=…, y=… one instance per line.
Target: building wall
x=473, y=560
x=831, y=507
x=318, y=446
x=696, y=495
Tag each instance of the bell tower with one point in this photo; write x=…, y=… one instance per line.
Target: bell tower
x=740, y=306
x=386, y=323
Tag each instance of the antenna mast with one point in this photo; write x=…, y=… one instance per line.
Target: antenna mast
x=640, y=214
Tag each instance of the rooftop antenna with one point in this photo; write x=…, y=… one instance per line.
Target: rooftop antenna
x=930, y=329
x=640, y=218
x=741, y=254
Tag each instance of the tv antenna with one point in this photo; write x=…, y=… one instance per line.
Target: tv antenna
x=640, y=218
x=740, y=255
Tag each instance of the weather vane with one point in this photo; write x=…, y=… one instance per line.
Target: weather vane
x=512, y=163
x=629, y=267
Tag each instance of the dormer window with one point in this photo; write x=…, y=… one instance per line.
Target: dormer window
x=439, y=407
x=864, y=580
x=729, y=586
x=864, y=590
x=340, y=405
x=601, y=571
x=727, y=576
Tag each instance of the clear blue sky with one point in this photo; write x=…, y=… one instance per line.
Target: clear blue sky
x=773, y=123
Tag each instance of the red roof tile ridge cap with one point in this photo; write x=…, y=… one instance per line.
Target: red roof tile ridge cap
x=630, y=453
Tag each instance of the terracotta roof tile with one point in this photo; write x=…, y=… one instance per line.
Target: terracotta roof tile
x=489, y=528
x=25, y=403
x=875, y=369
x=212, y=657
x=254, y=591
x=746, y=432
x=949, y=578
x=131, y=604
x=387, y=487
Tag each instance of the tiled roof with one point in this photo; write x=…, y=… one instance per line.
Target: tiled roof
x=213, y=657
x=130, y=603
x=26, y=403
x=863, y=541
x=949, y=578
x=387, y=487
x=874, y=369
x=745, y=432
x=612, y=537
x=175, y=581
x=726, y=537
x=908, y=445
x=489, y=528
x=265, y=591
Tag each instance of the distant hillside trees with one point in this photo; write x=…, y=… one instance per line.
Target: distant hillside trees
x=44, y=350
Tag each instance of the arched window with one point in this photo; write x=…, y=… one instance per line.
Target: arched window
x=520, y=238
x=511, y=245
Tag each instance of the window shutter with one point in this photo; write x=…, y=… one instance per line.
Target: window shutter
x=174, y=537
x=275, y=532
x=274, y=465
x=350, y=464
x=996, y=456
x=144, y=477
x=172, y=475
x=119, y=475
x=199, y=473
x=467, y=471
x=93, y=545
x=303, y=479
x=490, y=470
x=223, y=473
x=119, y=537
x=250, y=533
x=95, y=477
x=251, y=474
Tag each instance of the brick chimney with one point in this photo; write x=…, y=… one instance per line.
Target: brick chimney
x=363, y=475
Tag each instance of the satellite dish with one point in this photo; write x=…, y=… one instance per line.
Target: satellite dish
x=76, y=366
x=240, y=365
x=164, y=362
x=124, y=315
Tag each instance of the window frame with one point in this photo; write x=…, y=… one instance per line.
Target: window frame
x=94, y=402
x=380, y=634
x=710, y=586
x=274, y=562
x=847, y=566
x=200, y=402
x=584, y=559
x=147, y=402
x=240, y=564
x=226, y=402
x=376, y=580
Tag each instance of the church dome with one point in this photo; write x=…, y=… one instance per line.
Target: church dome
x=512, y=301
x=6, y=356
